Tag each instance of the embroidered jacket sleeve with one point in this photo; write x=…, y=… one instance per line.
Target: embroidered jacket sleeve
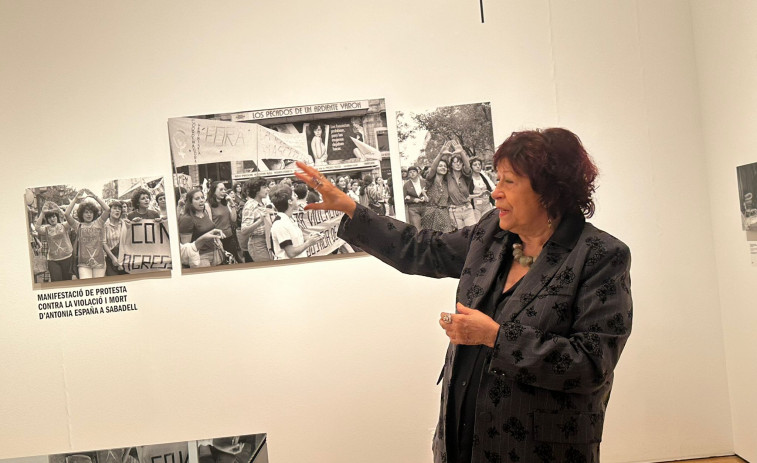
x=426, y=252
x=580, y=358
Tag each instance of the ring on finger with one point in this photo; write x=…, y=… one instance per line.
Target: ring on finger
x=446, y=318
x=317, y=182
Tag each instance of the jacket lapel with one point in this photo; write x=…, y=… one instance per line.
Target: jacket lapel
x=540, y=280
x=490, y=264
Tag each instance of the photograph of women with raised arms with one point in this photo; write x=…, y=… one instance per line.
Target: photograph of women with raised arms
x=450, y=191
x=83, y=235
x=543, y=306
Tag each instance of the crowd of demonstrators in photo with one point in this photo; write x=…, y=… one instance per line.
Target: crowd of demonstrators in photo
x=220, y=226
x=452, y=193
x=82, y=241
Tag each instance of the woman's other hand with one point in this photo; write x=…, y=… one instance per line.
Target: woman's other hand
x=470, y=327
x=210, y=236
x=333, y=198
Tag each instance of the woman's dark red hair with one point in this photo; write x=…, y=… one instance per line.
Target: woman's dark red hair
x=558, y=166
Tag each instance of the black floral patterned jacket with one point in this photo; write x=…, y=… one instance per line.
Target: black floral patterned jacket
x=545, y=386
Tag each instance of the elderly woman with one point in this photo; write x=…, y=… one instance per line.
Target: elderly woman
x=543, y=305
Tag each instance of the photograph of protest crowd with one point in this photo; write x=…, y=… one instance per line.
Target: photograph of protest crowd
x=238, y=201
x=446, y=160
x=177, y=452
x=79, y=232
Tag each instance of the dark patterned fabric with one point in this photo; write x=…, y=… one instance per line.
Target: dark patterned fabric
x=545, y=386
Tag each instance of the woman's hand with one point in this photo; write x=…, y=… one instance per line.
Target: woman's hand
x=210, y=236
x=333, y=199
x=470, y=327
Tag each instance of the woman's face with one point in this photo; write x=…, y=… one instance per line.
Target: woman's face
x=341, y=183
x=457, y=164
x=52, y=219
x=144, y=201
x=220, y=191
x=88, y=215
x=476, y=167
x=272, y=184
x=355, y=187
x=198, y=201
x=124, y=208
x=318, y=131
x=441, y=168
x=115, y=211
x=520, y=210
x=238, y=189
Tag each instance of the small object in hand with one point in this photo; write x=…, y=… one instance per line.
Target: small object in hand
x=446, y=318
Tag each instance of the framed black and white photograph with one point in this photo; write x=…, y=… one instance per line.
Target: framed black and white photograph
x=238, y=200
x=249, y=448
x=105, y=229
x=177, y=452
x=446, y=160
x=747, y=180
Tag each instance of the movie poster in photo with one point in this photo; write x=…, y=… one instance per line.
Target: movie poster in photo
x=747, y=181
x=96, y=230
x=446, y=159
x=238, y=200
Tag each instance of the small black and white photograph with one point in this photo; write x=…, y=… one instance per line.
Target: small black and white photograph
x=238, y=200
x=250, y=448
x=747, y=180
x=446, y=160
x=96, y=230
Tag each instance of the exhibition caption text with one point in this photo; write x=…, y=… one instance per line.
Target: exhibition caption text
x=83, y=302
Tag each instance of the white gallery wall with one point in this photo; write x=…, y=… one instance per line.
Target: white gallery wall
x=337, y=360
x=727, y=61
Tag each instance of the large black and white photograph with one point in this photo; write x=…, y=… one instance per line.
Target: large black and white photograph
x=446, y=160
x=96, y=230
x=747, y=180
x=248, y=448
x=177, y=452
x=238, y=200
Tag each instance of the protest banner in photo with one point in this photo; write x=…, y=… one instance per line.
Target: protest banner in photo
x=144, y=246
x=101, y=229
x=222, y=159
